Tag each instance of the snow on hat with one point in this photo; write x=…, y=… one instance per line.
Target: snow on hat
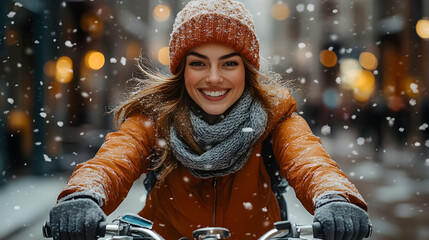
x=213, y=21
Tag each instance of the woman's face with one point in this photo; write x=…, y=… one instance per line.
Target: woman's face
x=214, y=77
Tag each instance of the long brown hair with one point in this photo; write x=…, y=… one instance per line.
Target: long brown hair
x=165, y=100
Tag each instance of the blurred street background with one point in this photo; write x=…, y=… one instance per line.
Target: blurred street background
x=359, y=70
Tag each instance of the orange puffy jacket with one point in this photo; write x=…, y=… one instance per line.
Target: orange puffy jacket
x=241, y=202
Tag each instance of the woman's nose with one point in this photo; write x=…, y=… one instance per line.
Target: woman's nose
x=214, y=76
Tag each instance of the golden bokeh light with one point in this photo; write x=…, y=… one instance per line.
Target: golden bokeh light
x=50, y=68
x=280, y=11
x=18, y=120
x=368, y=61
x=364, y=86
x=163, y=56
x=94, y=60
x=92, y=24
x=349, y=72
x=328, y=58
x=411, y=86
x=64, y=70
x=422, y=28
x=161, y=12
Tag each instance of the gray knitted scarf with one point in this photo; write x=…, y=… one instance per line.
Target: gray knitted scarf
x=227, y=144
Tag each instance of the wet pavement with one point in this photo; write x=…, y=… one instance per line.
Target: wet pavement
x=394, y=181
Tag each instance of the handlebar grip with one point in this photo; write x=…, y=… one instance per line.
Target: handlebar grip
x=318, y=231
x=47, y=232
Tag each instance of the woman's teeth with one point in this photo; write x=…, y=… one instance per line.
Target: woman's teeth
x=214, y=93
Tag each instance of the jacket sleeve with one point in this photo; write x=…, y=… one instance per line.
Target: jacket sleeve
x=118, y=163
x=306, y=165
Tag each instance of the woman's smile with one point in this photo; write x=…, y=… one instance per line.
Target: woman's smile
x=215, y=95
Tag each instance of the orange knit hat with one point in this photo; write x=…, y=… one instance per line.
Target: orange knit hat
x=213, y=21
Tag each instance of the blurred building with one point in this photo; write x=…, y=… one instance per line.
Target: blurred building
x=355, y=64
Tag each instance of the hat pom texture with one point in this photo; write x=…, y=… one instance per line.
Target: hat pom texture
x=213, y=21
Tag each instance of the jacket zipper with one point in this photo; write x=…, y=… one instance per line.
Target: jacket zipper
x=214, y=184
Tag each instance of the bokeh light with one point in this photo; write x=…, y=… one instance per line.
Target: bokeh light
x=163, y=56
x=328, y=58
x=94, y=60
x=50, y=68
x=368, y=61
x=364, y=86
x=92, y=24
x=64, y=70
x=411, y=87
x=18, y=120
x=349, y=71
x=161, y=12
x=422, y=28
x=280, y=11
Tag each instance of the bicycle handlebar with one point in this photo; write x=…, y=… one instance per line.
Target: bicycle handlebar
x=282, y=230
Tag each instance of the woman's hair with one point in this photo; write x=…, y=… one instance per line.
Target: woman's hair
x=164, y=99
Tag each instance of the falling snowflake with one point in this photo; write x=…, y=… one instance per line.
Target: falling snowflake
x=47, y=158
x=162, y=143
x=68, y=43
x=123, y=61
x=185, y=179
x=424, y=126
x=10, y=100
x=338, y=80
x=248, y=129
x=300, y=7
x=247, y=205
x=326, y=130
x=84, y=94
x=391, y=121
x=310, y=7
x=414, y=88
x=11, y=14
x=113, y=60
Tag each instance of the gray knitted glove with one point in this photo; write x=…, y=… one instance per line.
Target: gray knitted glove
x=76, y=219
x=342, y=220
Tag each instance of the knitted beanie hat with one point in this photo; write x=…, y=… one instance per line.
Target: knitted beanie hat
x=213, y=21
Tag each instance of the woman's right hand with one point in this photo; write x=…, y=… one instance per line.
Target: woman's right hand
x=76, y=219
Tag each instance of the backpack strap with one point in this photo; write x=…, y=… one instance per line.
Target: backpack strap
x=278, y=183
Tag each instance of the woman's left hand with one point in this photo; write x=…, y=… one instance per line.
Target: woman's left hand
x=342, y=220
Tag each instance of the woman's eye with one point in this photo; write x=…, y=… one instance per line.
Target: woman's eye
x=196, y=64
x=231, y=64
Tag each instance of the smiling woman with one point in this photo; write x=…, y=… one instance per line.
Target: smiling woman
x=202, y=130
